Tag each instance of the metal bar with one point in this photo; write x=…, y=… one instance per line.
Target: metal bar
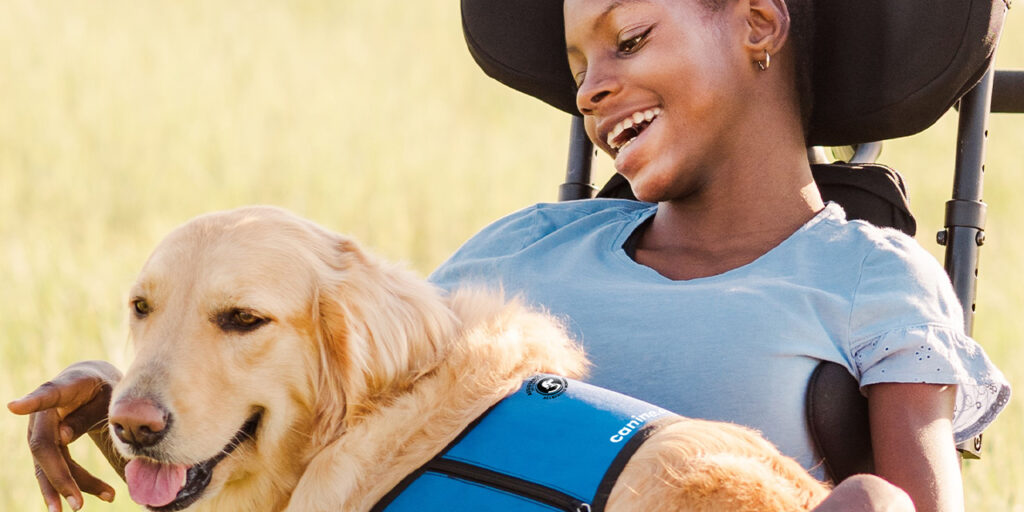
x=817, y=155
x=965, y=214
x=866, y=153
x=962, y=239
x=1008, y=92
x=581, y=157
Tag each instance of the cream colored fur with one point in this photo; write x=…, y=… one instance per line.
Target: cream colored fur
x=365, y=371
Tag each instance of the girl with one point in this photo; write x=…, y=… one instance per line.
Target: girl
x=720, y=298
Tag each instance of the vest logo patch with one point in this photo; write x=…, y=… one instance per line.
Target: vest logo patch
x=547, y=386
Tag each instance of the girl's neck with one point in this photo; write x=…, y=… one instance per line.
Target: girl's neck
x=730, y=223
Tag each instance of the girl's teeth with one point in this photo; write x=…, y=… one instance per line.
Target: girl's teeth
x=627, y=123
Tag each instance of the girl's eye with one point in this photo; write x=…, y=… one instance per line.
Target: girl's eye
x=579, y=78
x=632, y=44
x=141, y=307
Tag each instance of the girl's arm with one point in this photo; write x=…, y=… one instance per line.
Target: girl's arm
x=912, y=438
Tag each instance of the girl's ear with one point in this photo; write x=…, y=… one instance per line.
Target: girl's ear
x=769, y=23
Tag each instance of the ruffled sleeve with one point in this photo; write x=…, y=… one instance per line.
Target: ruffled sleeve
x=938, y=354
x=906, y=325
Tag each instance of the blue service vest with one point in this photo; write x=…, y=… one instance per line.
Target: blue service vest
x=556, y=444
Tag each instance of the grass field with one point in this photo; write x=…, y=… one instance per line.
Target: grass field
x=121, y=119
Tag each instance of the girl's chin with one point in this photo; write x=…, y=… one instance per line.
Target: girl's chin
x=656, y=185
x=649, y=197
x=646, y=190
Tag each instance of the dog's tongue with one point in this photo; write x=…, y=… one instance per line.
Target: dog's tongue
x=154, y=484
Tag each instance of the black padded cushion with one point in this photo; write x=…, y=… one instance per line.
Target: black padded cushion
x=837, y=416
x=870, y=192
x=882, y=68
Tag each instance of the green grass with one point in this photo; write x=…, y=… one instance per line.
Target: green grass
x=122, y=119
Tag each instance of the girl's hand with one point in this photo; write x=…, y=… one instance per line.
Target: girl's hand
x=75, y=402
x=866, y=493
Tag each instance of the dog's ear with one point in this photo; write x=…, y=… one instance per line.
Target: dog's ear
x=381, y=328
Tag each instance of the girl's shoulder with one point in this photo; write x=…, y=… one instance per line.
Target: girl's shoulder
x=880, y=251
x=498, y=247
x=559, y=215
x=836, y=226
x=525, y=227
x=897, y=283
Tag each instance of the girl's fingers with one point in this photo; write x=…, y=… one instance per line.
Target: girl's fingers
x=45, y=396
x=65, y=391
x=78, y=384
x=79, y=396
x=50, y=495
x=89, y=483
x=87, y=417
x=51, y=457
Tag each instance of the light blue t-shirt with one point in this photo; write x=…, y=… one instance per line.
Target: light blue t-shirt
x=739, y=346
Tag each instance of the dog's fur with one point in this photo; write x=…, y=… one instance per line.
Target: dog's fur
x=364, y=372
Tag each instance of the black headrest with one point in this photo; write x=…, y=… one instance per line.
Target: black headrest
x=882, y=68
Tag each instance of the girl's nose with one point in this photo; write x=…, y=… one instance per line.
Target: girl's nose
x=595, y=89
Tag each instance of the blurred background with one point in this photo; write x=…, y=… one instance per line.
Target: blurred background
x=121, y=119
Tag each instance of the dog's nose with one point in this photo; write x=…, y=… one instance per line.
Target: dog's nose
x=139, y=422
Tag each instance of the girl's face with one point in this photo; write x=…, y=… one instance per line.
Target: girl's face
x=661, y=88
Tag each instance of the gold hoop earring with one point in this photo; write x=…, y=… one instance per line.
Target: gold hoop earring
x=766, y=63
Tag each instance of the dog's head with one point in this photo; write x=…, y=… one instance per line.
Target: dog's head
x=259, y=337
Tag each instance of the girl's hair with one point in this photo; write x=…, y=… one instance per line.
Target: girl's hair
x=801, y=33
x=801, y=36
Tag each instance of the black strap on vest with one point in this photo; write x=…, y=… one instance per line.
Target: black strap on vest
x=487, y=477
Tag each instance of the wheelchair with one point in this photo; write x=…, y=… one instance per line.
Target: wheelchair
x=862, y=95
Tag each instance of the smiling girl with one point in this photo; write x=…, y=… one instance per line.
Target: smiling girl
x=719, y=294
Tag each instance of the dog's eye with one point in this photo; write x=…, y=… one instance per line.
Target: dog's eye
x=241, y=320
x=141, y=307
x=244, y=318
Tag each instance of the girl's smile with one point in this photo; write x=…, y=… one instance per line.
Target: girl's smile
x=627, y=130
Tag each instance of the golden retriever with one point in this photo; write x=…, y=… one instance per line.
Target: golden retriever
x=278, y=366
